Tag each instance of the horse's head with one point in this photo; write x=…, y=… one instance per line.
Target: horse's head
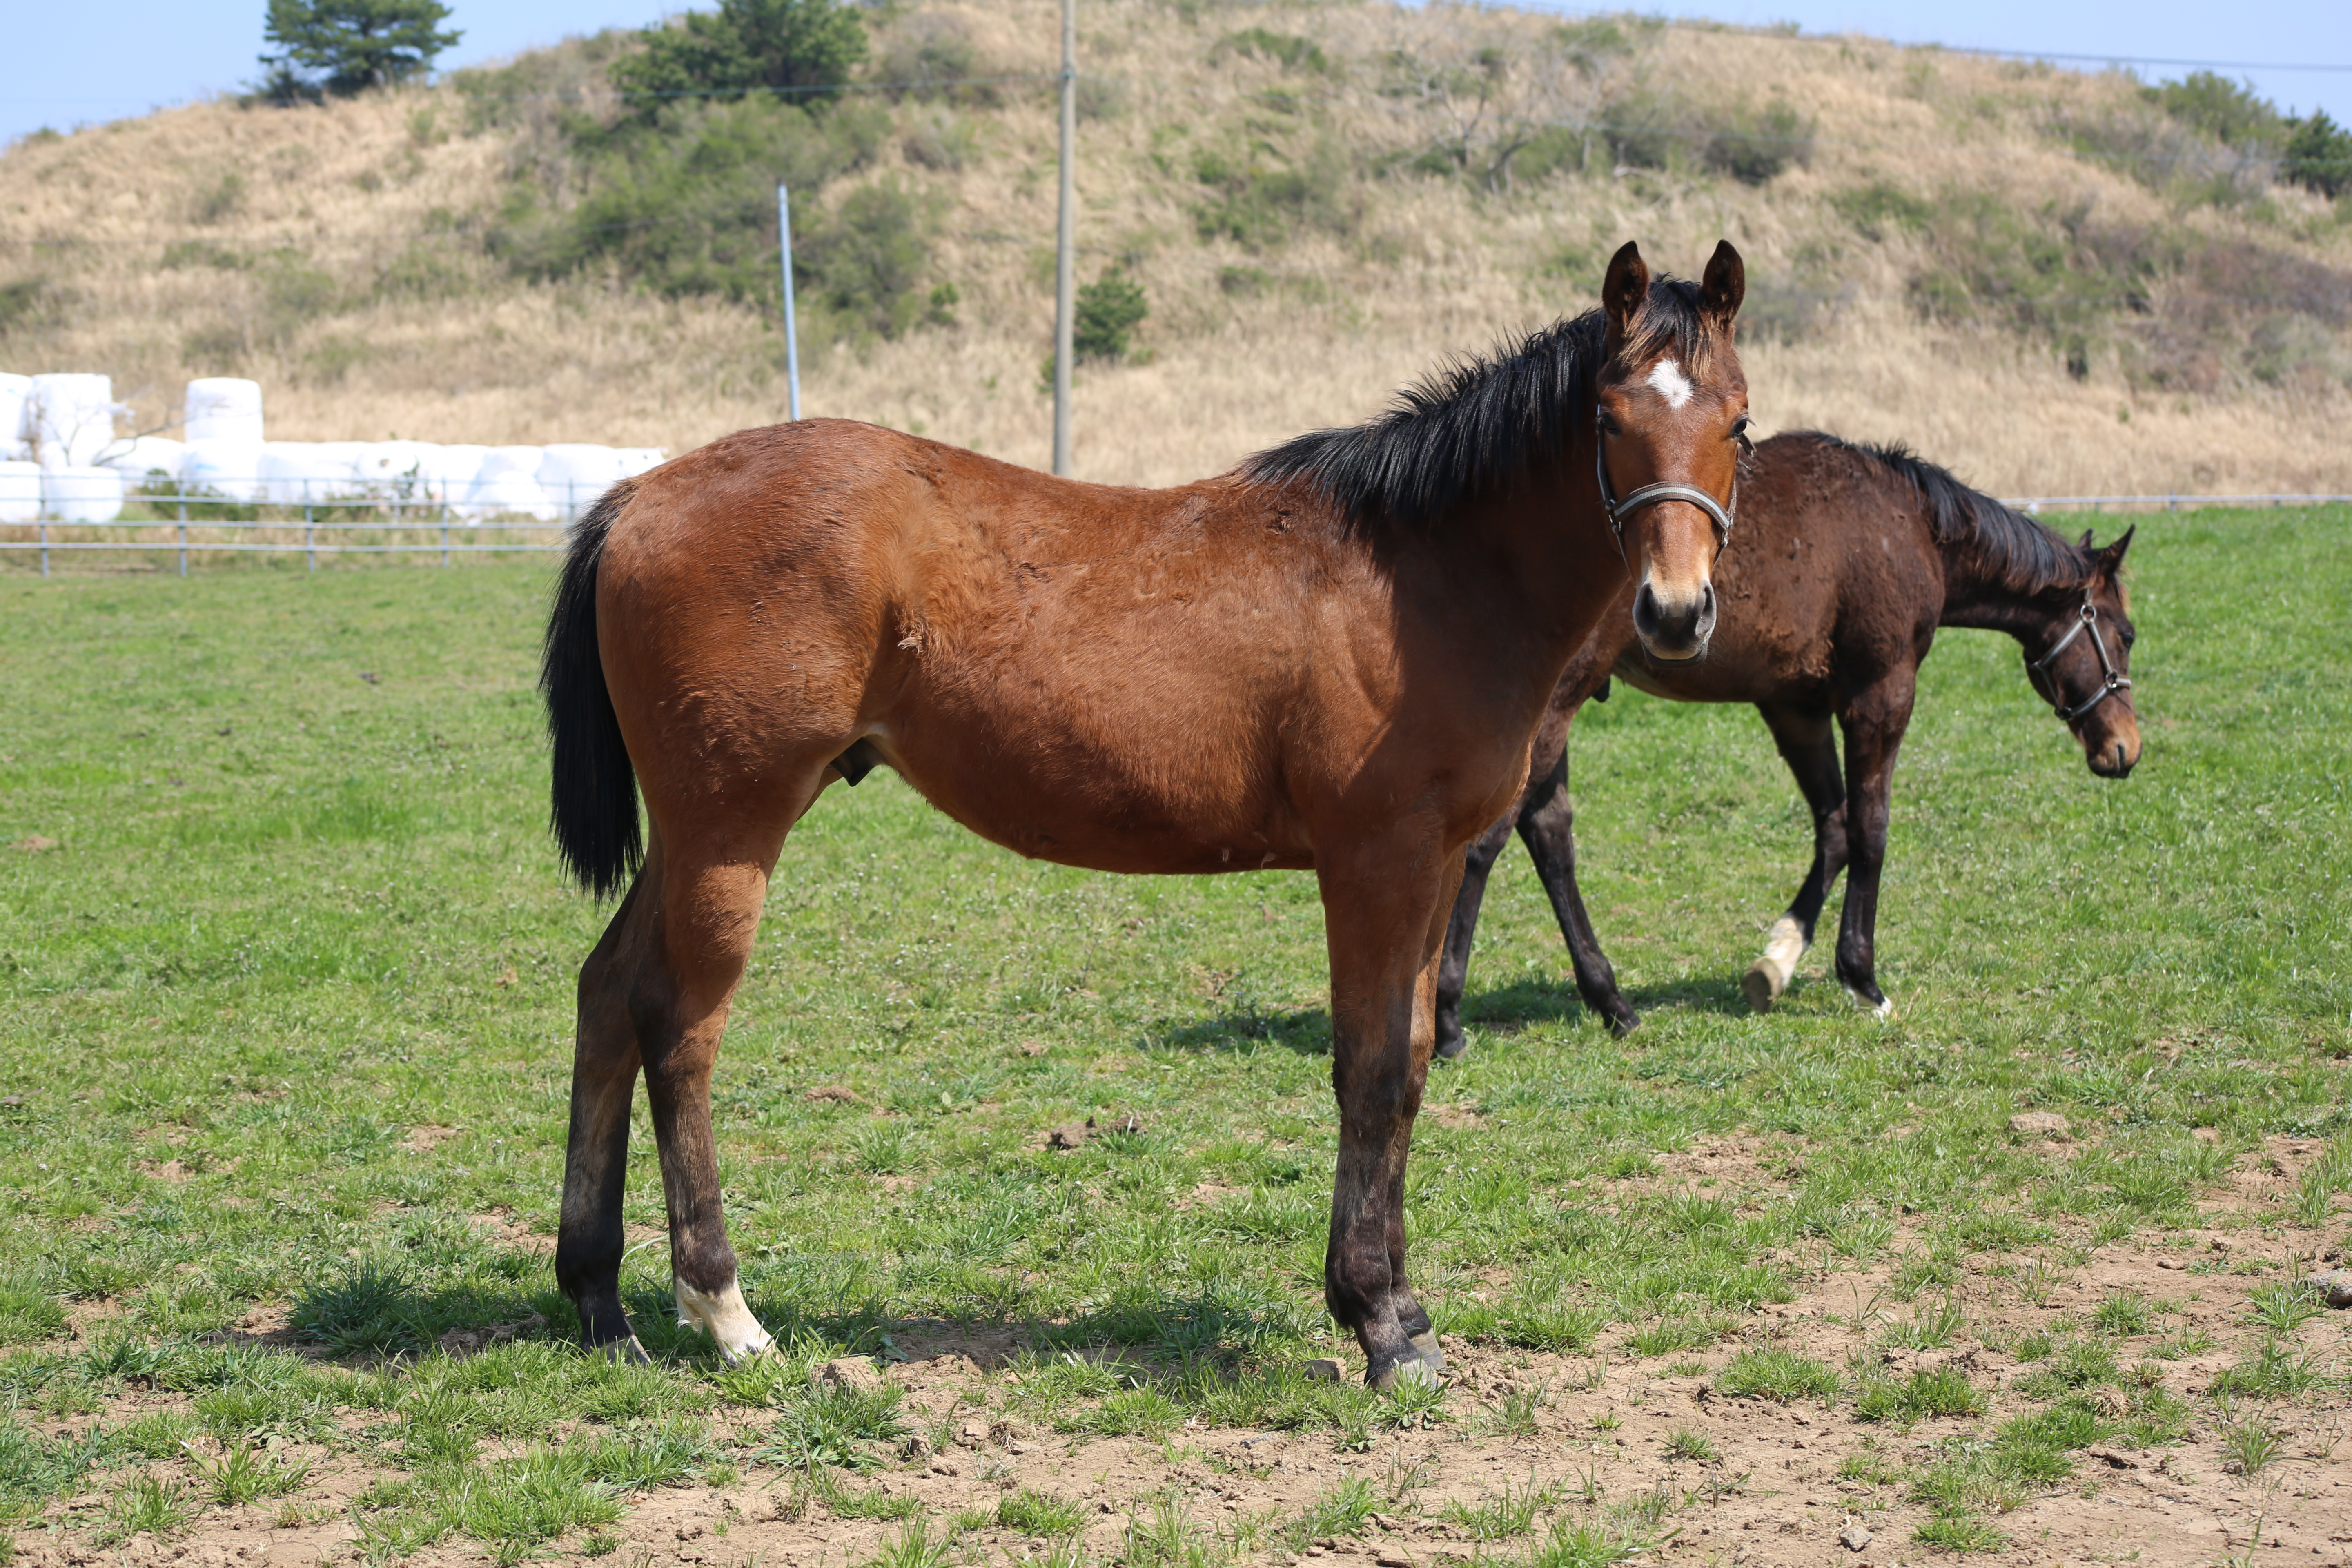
x=1673, y=419
x=2080, y=660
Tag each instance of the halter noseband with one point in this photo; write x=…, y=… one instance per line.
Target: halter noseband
x=2112, y=679
x=1718, y=512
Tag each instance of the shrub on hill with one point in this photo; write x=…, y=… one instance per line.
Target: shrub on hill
x=665, y=171
x=2319, y=155
x=802, y=48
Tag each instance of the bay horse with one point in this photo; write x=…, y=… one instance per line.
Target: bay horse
x=1330, y=659
x=1846, y=560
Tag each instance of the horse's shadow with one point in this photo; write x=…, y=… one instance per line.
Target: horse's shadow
x=1507, y=1009
x=1244, y=1031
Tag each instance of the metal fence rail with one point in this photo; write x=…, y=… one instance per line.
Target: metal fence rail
x=2168, y=503
x=193, y=521
x=436, y=533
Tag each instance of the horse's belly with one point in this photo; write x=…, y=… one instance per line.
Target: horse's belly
x=1187, y=805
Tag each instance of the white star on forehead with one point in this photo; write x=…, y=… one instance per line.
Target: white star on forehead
x=1666, y=379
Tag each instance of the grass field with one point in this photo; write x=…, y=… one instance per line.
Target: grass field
x=284, y=979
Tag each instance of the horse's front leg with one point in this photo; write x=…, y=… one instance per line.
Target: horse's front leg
x=1385, y=916
x=1875, y=721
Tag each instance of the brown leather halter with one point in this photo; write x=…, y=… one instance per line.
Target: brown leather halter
x=2046, y=681
x=1721, y=513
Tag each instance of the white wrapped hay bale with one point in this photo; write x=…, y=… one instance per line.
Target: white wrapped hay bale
x=141, y=458
x=84, y=493
x=222, y=408
x=510, y=495
x=573, y=474
x=449, y=471
x=393, y=470
x=501, y=461
x=20, y=490
x=507, y=483
x=16, y=437
x=296, y=472
x=227, y=468
x=72, y=419
x=636, y=460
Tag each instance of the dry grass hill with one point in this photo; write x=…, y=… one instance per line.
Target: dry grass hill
x=2041, y=277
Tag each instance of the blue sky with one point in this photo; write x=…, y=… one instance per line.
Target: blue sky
x=70, y=66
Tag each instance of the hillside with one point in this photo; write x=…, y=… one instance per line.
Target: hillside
x=2038, y=276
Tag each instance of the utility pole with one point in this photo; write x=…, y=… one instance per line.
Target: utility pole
x=1064, y=242
x=792, y=330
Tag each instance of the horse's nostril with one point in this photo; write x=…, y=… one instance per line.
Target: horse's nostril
x=1645, y=605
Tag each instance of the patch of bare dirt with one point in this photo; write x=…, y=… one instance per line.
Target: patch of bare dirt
x=428, y=1136
x=1769, y=1484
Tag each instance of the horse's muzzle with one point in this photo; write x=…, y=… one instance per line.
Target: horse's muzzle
x=1675, y=630
x=2111, y=761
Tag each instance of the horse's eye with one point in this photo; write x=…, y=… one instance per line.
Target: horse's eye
x=2130, y=636
x=1739, y=428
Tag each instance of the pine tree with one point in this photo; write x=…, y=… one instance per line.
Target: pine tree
x=2319, y=154
x=345, y=46
x=804, y=46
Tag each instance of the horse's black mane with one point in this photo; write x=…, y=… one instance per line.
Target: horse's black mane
x=2007, y=546
x=1475, y=424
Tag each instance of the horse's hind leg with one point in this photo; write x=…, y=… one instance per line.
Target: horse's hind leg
x=656, y=993
x=596, y=1156
x=1808, y=747
x=711, y=911
x=1461, y=928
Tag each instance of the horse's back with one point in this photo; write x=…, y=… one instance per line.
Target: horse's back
x=1832, y=564
x=1025, y=649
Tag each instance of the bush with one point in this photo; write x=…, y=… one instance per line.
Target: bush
x=804, y=48
x=933, y=57
x=688, y=206
x=2318, y=154
x=1754, y=145
x=1260, y=199
x=866, y=264
x=1109, y=309
x=2230, y=113
x=345, y=46
x=1288, y=50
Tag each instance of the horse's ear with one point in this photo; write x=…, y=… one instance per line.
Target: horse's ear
x=1624, y=290
x=2086, y=537
x=2111, y=556
x=1725, y=285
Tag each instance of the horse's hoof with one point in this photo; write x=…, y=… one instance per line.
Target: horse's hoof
x=1451, y=1045
x=1405, y=1370
x=1878, y=1008
x=1761, y=985
x=1432, y=1357
x=1624, y=1023
x=626, y=1351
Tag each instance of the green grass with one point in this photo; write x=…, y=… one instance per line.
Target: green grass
x=1943, y=1391
x=284, y=1022
x=1777, y=1374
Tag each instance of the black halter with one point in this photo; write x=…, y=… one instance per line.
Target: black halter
x=1720, y=513
x=2046, y=682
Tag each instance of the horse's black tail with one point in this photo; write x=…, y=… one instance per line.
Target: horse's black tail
x=594, y=807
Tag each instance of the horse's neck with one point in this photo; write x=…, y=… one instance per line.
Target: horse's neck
x=1977, y=600
x=1528, y=571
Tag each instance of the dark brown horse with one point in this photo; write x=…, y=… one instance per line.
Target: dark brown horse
x=1845, y=560
x=1329, y=660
